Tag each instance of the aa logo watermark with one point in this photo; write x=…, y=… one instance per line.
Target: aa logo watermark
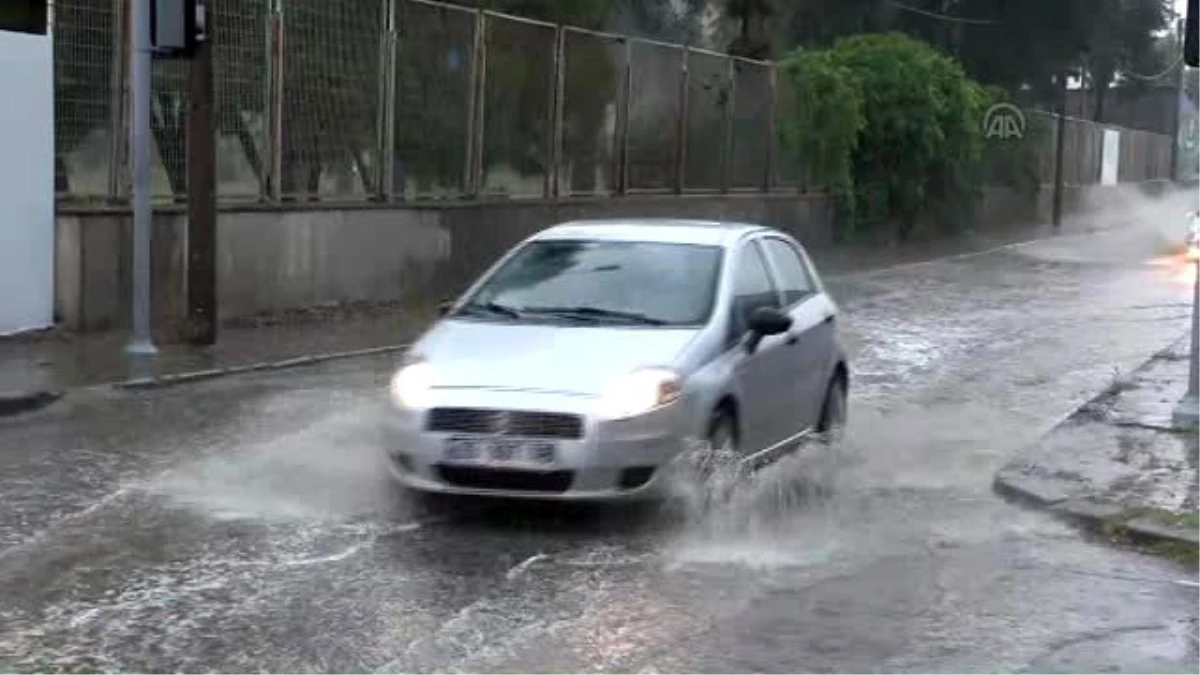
x=1004, y=121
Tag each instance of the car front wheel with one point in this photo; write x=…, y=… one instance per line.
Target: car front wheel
x=830, y=430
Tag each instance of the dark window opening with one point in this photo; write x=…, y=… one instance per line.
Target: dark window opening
x=23, y=16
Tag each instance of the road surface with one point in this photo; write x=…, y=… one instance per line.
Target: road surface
x=247, y=524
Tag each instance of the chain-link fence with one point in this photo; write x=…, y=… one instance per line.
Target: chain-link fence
x=517, y=84
x=417, y=99
x=434, y=76
x=593, y=66
x=653, y=111
x=88, y=67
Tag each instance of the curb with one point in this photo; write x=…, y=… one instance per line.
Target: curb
x=1094, y=515
x=162, y=381
x=15, y=404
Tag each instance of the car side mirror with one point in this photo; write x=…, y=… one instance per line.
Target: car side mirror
x=444, y=307
x=766, y=321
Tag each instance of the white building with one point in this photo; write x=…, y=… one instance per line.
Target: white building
x=26, y=167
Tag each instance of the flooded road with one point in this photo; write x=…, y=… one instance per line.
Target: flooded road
x=248, y=524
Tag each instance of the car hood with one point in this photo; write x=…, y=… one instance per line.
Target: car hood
x=569, y=359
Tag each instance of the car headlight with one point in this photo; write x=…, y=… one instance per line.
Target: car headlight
x=639, y=392
x=411, y=384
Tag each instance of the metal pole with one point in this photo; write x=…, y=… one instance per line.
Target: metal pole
x=1060, y=139
x=772, y=128
x=682, y=122
x=1175, y=116
x=560, y=105
x=202, y=199
x=727, y=125
x=117, y=103
x=1187, y=412
x=623, y=120
x=274, y=101
x=554, y=100
x=480, y=138
x=141, y=343
x=386, y=122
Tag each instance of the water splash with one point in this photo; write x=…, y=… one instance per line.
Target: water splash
x=780, y=515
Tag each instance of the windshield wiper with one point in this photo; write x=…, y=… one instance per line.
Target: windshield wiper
x=492, y=308
x=596, y=313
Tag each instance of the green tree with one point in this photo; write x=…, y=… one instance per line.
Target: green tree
x=1123, y=41
x=921, y=144
x=820, y=118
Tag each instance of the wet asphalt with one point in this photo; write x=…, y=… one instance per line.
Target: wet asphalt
x=247, y=524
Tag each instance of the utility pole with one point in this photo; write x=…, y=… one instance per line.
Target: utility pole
x=1187, y=413
x=1059, y=144
x=141, y=342
x=170, y=29
x=202, y=199
x=1175, y=103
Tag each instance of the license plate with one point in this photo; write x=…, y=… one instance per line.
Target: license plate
x=499, y=451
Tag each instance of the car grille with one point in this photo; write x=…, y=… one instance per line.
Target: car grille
x=506, y=479
x=522, y=423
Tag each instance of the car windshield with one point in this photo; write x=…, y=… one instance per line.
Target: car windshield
x=628, y=282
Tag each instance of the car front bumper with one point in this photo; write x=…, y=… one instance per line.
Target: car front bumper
x=611, y=460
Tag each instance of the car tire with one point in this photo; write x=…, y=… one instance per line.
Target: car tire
x=720, y=469
x=830, y=430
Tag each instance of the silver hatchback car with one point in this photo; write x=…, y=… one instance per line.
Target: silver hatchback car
x=585, y=360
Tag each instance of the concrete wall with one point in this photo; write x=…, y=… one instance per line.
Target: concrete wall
x=273, y=259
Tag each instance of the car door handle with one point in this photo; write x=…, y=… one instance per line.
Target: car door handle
x=792, y=338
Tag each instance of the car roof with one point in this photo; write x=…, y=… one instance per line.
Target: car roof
x=658, y=230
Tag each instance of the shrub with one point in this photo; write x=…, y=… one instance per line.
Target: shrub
x=890, y=126
x=821, y=117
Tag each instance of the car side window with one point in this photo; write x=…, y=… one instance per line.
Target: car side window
x=752, y=288
x=794, y=281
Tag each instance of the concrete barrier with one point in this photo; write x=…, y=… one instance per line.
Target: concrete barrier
x=273, y=259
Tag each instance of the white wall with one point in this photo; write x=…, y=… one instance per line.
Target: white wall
x=26, y=182
x=1111, y=158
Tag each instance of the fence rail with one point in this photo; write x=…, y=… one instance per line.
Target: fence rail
x=396, y=100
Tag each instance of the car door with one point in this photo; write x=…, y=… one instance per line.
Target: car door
x=811, y=340
x=762, y=374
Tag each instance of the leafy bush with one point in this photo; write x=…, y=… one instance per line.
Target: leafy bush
x=821, y=115
x=891, y=121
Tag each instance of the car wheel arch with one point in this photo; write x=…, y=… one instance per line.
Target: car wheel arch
x=841, y=372
x=727, y=405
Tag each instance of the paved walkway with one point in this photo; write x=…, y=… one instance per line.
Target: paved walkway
x=1120, y=459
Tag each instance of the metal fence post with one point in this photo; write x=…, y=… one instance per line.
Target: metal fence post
x=478, y=105
x=683, y=121
x=769, y=146
x=554, y=120
x=386, y=124
x=623, y=120
x=117, y=104
x=1059, y=144
x=727, y=125
x=274, y=102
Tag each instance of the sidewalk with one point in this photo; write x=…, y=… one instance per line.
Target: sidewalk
x=35, y=369
x=1117, y=464
x=55, y=361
